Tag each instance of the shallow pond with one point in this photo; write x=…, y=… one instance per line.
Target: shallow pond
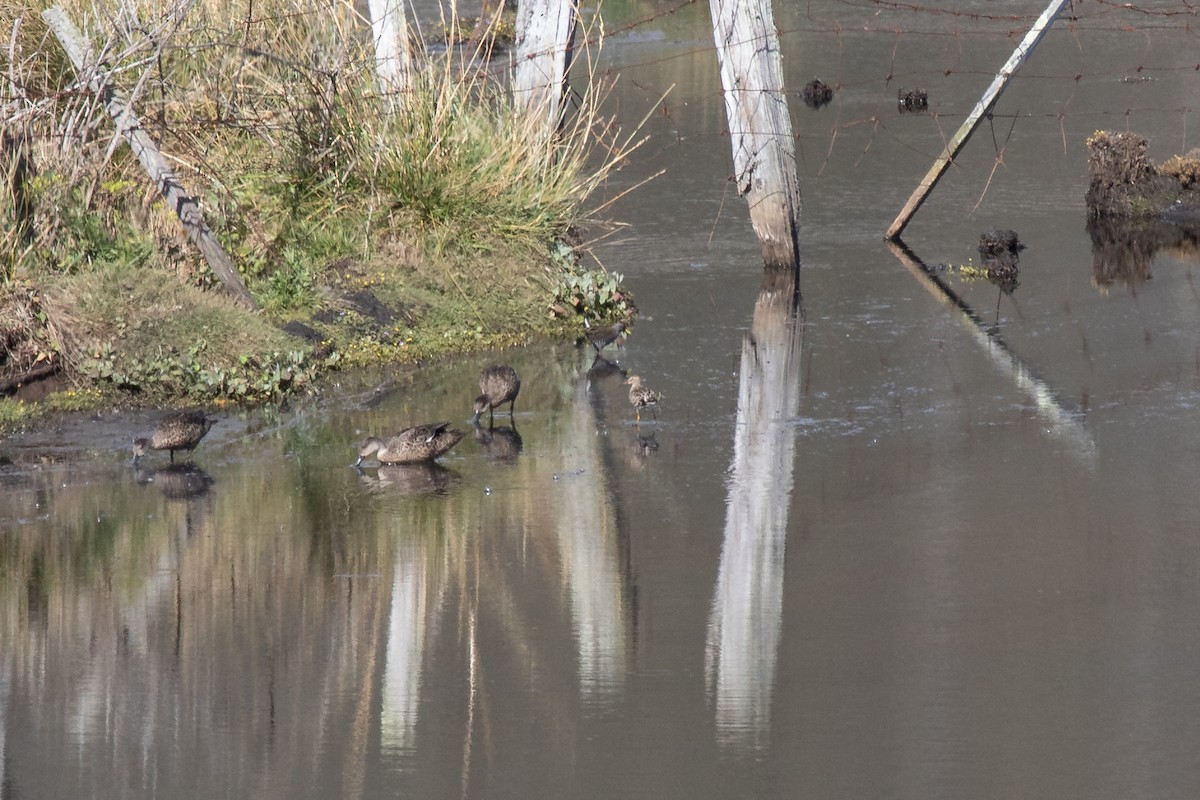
x=889, y=536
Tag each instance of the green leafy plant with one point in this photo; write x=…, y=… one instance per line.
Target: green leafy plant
x=593, y=293
x=188, y=375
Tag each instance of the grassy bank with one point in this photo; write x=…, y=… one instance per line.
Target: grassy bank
x=367, y=226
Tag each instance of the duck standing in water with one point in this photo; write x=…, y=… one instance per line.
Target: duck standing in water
x=182, y=430
x=641, y=397
x=414, y=445
x=604, y=336
x=499, y=384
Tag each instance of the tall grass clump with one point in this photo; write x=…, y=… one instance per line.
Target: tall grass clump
x=319, y=185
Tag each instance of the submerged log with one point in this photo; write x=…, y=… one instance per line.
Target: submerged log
x=760, y=127
x=183, y=204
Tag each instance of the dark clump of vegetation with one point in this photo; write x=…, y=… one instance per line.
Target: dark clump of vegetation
x=1000, y=255
x=1124, y=183
x=367, y=225
x=1137, y=207
x=816, y=93
x=912, y=101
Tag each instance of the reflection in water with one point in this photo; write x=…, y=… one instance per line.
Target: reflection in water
x=427, y=478
x=408, y=630
x=183, y=481
x=743, y=629
x=1067, y=426
x=5, y=693
x=1123, y=251
x=587, y=533
x=602, y=368
x=641, y=448
x=501, y=445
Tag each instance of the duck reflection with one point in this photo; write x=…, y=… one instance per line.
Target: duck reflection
x=414, y=479
x=501, y=445
x=746, y=616
x=184, y=481
x=602, y=368
x=640, y=449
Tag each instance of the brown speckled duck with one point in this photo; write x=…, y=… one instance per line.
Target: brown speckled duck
x=499, y=384
x=641, y=397
x=182, y=430
x=413, y=445
x=605, y=335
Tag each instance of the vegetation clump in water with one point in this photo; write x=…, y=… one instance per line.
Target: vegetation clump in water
x=1123, y=182
x=816, y=93
x=1137, y=208
x=367, y=226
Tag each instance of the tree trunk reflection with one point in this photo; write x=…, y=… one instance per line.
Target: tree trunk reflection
x=746, y=616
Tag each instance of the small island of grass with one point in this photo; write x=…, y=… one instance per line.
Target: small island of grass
x=367, y=227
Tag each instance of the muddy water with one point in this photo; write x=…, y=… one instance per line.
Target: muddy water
x=879, y=542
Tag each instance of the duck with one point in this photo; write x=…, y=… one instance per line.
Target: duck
x=603, y=336
x=641, y=396
x=415, y=445
x=181, y=430
x=499, y=384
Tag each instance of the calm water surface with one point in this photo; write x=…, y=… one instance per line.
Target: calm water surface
x=876, y=544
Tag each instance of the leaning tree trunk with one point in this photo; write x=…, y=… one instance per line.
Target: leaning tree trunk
x=764, y=152
x=148, y=155
x=545, y=45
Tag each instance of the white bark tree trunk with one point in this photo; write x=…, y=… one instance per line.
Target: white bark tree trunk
x=760, y=127
x=389, y=29
x=545, y=45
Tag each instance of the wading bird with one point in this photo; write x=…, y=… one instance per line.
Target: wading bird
x=604, y=336
x=641, y=397
x=182, y=430
x=499, y=384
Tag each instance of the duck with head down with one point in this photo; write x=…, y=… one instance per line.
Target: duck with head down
x=420, y=443
x=498, y=384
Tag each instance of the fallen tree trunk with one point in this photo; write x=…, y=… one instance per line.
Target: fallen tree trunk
x=148, y=155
